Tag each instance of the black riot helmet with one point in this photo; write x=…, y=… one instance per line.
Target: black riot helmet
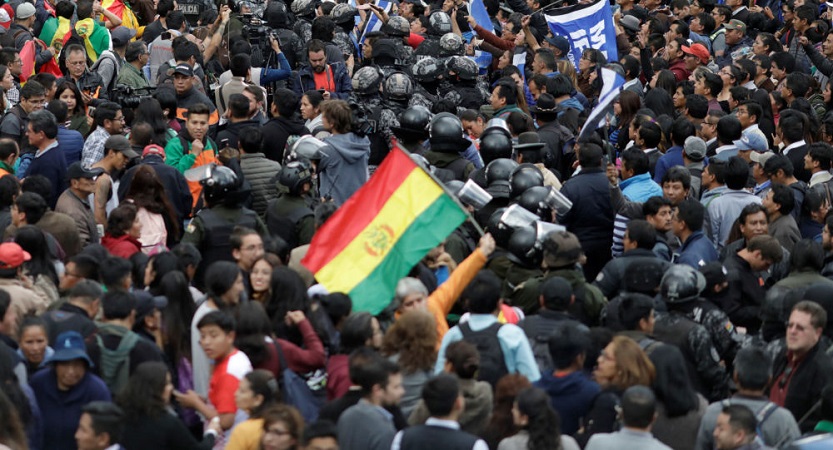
x=498, y=173
x=523, y=249
x=447, y=134
x=534, y=200
x=499, y=230
x=220, y=185
x=495, y=143
x=524, y=177
x=294, y=175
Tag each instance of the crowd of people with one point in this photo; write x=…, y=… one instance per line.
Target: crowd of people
x=663, y=281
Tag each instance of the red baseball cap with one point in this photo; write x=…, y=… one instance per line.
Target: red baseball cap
x=698, y=50
x=153, y=149
x=12, y=255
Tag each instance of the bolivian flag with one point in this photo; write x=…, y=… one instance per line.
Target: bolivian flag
x=381, y=232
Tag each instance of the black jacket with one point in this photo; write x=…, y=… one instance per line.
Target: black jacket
x=176, y=187
x=805, y=385
x=610, y=279
x=232, y=132
x=591, y=218
x=746, y=295
x=276, y=133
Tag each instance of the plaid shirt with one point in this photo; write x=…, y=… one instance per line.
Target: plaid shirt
x=94, y=147
x=13, y=94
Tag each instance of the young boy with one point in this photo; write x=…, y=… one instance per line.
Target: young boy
x=230, y=365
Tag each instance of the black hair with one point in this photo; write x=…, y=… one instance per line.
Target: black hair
x=286, y=102
x=590, y=155
x=440, y=393
x=543, y=426
x=117, y=305
x=238, y=104
x=31, y=204
x=113, y=271
x=652, y=206
x=737, y=173
x=567, y=343
x=740, y=416
x=643, y=233
x=697, y=105
x=692, y=213
x=634, y=307
x=677, y=174
x=320, y=429
x=636, y=160
x=106, y=417
x=356, y=330
x=783, y=196
x=220, y=319
x=375, y=372
x=219, y=279
x=651, y=134
x=729, y=130
x=638, y=407
x=672, y=384
x=806, y=255
x=753, y=368
x=483, y=293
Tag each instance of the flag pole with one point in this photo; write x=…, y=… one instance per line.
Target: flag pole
x=445, y=189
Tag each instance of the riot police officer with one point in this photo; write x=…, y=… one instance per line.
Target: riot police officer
x=289, y=216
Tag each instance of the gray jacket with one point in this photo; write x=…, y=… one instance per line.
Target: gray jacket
x=625, y=440
x=778, y=428
x=724, y=210
x=259, y=172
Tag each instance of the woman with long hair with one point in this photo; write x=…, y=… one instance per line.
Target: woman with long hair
x=664, y=79
x=283, y=428
x=41, y=266
x=679, y=406
x=538, y=423
x=160, y=223
x=67, y=91
x=312, y=115
x=22, y=398
x=157, y=267
x=257, y=392
x=502, y=424
x=360, y=329
x=149, y=424
x=731, y=77
x=624, y=109
x=255, y=339
x=167, y=100
x=411, y=342
x=121, y=238
x=223, y=288
x=150, y=112
x=33, y=342
x=622, y=364
x=11, y=428
x=590, y=58
x=261, y=276
x=288, y=293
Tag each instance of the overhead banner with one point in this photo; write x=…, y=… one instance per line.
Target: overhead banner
x=586, y=26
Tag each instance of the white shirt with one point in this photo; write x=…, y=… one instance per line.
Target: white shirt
x=451, y=424
x=787, y=149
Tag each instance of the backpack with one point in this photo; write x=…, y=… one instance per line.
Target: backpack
x=296, y=391
x=108, y=55
x=8, y=40
x=492, y=364
x=760, y=416
x=540, y=347
x=115, y=364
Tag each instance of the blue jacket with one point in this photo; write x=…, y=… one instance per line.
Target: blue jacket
x=672, y=157
x=61, y=411
x=343, y=166
x=304, y=81
x=697, y=251
x=53, y=165
x=571, y=396
x=72, y=142
x=639, y=188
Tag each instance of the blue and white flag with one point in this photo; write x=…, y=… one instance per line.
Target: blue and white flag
x=478, y=10
x=483, y=60
x=585, y=26
x=374, y=23
x=612, y=84
x=519, y=60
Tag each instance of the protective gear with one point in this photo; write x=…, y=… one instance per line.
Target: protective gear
x=294, y=174
x=427, y=70
x=220, y=183
x=398, y=86
x=534, y=200
x=439, y=24
x=681, y=283
x=499, y=230
x=303, y=7
x=366, y=80
x=413, y=124
x=397, y=26
x=343, y=13
x=451, y=45
x=454, y=186
x=498, y=173
x=523, y=248
x=447, y=134
x=464, y=67
x=495, y=143
x=307, y=147
x=525, y=177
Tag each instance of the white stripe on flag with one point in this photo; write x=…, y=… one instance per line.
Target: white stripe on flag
x=611, y=88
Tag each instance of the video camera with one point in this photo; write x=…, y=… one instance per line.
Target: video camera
x=129, y=97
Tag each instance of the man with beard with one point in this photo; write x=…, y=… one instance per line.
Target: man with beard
x=332, y=79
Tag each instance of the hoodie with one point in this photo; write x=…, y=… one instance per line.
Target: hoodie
x=343, y=167
x=571, y=395
x=277, y=132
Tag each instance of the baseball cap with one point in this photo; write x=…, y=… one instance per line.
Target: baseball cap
x=76, y=170
x=698, y=50
x=5, y=17
x=12, y=255
x=121, y=35
x=120, y=143
x=561, y=43
x=69, y=346
x=25, y=10
x=752, y=141
x=736, y=24
x=153, y=149
x=184, y=69
x=761, y=158
x=695, y=148
x=562, y=248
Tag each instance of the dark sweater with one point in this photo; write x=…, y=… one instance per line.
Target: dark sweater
x=161, y=433
x=53, y=166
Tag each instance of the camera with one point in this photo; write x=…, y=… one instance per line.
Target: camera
x=363, y=121
x=129, y=97
x=88, y=84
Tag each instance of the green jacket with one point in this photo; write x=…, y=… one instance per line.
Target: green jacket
x=589, y=299
x=133, y=77
x=183, y=159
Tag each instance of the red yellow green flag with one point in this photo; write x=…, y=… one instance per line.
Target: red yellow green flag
x=381, y=232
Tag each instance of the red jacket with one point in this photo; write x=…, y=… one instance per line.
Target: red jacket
x=491, y=38
x=680, y=72
x=123, y=246
x=300, y=360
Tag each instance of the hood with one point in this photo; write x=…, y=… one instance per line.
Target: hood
x=350, y=146
x=291, y=126
x=243, y=124
x=560, y=386
x=572, y=102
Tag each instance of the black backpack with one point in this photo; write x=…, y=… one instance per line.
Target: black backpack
x=492, y=364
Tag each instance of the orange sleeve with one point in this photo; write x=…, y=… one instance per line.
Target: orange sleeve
x=444, y=297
